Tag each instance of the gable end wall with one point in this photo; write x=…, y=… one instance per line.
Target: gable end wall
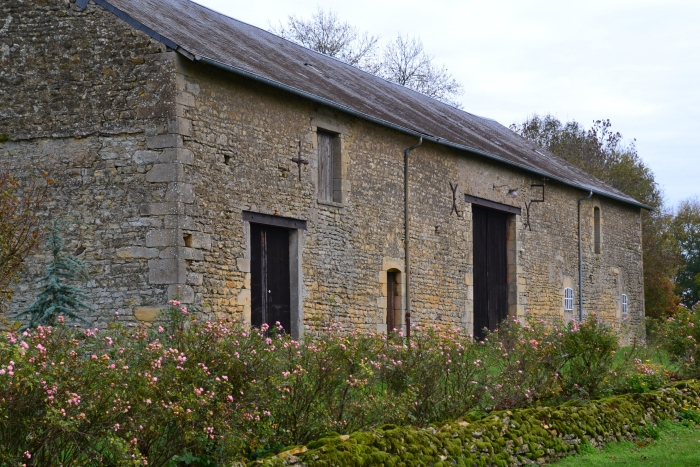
x=92, y=102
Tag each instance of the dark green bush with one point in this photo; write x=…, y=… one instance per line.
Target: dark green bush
x=589, y=349
x=679, y=336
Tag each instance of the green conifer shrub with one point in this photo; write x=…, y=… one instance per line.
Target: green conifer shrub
x=58, y=297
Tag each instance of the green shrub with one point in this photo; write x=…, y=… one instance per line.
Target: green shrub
x=58, y=296
x=679, y=336
x=590, y=348
x=439, y=372
x=525, y=363
x=690, y=414
x=644, y=377
x=188, y=390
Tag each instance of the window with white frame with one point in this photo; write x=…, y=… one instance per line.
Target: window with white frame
x=624, y=304
x=568, y=299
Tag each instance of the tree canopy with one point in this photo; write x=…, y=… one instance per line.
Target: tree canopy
x=604, y=154
x=597, y=150
x=686, y=231
x=324, y=32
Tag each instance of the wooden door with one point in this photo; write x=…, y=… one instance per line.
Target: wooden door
x=490, y=269
x=270, y=277
x=391, y=300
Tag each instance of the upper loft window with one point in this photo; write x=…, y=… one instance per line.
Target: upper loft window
x=624, y=304
x=596, y=229
x=329, y=168
x=568, y=299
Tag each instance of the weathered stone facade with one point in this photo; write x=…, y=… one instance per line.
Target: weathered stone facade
x=156, y=157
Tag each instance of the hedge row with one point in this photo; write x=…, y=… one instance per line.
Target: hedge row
x=506, y=438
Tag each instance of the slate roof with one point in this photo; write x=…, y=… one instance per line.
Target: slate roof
x=214, y=38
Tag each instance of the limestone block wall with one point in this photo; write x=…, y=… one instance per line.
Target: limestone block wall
x=244, y=136
x=155, y=157
x=91, y=101
x=548, y=259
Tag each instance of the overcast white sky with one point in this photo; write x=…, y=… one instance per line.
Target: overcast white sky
x=636, y=62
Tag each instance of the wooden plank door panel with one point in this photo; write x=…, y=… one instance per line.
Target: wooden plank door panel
x=490, y=269
x=481, y=299
x=258, y=280
x=278, y=298
x=325, y=166
x=497, y=268
x=270, y=276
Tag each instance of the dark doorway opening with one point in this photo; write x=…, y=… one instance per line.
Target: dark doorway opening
x=270, y=276
x=490, y=269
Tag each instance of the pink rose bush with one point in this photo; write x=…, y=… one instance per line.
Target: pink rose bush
x=679, y=336
x=220, y=391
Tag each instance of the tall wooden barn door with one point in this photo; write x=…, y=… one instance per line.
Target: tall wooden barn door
x=490, y=269
x=270, y=277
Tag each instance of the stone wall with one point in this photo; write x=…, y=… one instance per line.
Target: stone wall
x=84, y=97
x=243, y=139
x=156, y=157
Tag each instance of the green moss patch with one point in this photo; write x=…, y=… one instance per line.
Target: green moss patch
x=518, y=437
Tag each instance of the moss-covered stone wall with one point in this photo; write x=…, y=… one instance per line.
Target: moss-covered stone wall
x=510, y=438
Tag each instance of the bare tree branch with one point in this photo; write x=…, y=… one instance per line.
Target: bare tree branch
x=20, y=225
x=325, y=33
x=403, y=61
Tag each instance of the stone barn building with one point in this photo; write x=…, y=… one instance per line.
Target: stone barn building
x=199, y=156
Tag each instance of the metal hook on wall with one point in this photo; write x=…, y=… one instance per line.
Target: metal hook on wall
x=454, y=200
x=528, y=204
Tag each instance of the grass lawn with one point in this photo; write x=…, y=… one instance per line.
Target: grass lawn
x=677, y=446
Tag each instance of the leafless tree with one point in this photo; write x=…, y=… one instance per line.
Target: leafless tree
x=20, y=225
x=403, y=61
x=327, y=34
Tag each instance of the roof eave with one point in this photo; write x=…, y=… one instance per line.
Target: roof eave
x=190, y=56
x=408, y=131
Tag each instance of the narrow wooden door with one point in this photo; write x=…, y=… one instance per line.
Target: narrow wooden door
x=490, y=269
x=270, y=278
x=391, y=299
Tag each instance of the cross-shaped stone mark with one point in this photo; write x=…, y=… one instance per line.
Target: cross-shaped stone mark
x=299, y=160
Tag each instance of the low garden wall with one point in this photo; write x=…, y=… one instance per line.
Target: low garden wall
x=504, y=438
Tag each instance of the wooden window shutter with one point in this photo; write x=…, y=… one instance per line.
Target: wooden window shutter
x=325, y=165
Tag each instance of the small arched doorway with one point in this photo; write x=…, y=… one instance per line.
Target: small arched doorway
x=393, y=300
